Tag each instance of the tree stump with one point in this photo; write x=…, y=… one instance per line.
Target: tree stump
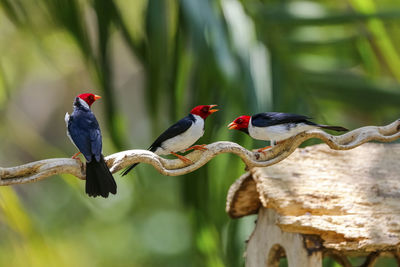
x=321, y=202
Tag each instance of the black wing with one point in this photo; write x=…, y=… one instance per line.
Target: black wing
x=85, y=133
x=274, y=118
x=179, y=127
x=176, y=129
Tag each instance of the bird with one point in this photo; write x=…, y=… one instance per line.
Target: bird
x=181, y=135
x=84, y=132
x=276, y=126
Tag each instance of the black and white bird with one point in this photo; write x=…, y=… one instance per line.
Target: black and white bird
x=84, y=132
x=276, y=127
x=181, y=135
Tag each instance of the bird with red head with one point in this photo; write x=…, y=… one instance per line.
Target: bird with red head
x=84, y=132
x=276, y=126
x=181, y=135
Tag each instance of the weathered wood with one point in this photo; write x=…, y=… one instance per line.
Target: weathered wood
x=243, y=197
x=351, y=199
x=266, y=242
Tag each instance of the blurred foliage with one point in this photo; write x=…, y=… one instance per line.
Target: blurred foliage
x=152, y=61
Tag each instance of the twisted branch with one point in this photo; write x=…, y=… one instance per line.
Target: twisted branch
x=38, y=170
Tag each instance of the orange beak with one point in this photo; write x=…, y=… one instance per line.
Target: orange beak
x=211, y=111
x=232, y=126
x=96, y=97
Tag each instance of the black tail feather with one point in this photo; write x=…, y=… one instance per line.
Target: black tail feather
x=99, y=180
x=334, y=128
x=127, y=170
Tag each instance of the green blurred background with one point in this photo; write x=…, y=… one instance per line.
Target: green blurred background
x=152, y=61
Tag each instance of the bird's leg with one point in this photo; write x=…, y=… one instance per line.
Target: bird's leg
x=184, y=159
x=273, y=143
x=75, y=156
x=263, y=148
x=197, y=147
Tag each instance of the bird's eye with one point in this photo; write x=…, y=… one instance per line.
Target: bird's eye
x=239, y=121
x=205, y=109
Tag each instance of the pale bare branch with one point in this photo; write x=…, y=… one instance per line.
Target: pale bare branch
x=38, y=170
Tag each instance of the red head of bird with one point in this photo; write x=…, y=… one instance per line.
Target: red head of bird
x=240, y=123
x=89, y=98
x=203, y=110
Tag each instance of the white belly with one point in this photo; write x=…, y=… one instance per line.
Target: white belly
x=278, y=132
x=183, y=141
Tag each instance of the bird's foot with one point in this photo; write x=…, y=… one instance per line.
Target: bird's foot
x=184, y=159
x=75, y=156
x=262, y=150
x=197, y=147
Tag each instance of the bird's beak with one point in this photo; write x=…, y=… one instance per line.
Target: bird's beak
x=96, y=97
x=232, y=126
x=212, y=110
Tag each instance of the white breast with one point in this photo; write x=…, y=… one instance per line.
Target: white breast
x=184, y=140
x=66, y=118
x=278, y=132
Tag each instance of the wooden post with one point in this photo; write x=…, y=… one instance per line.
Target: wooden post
x=269, y=243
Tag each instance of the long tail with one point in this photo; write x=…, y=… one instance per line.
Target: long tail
x=334, y=128
x=99, y=180
x=127, y=170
